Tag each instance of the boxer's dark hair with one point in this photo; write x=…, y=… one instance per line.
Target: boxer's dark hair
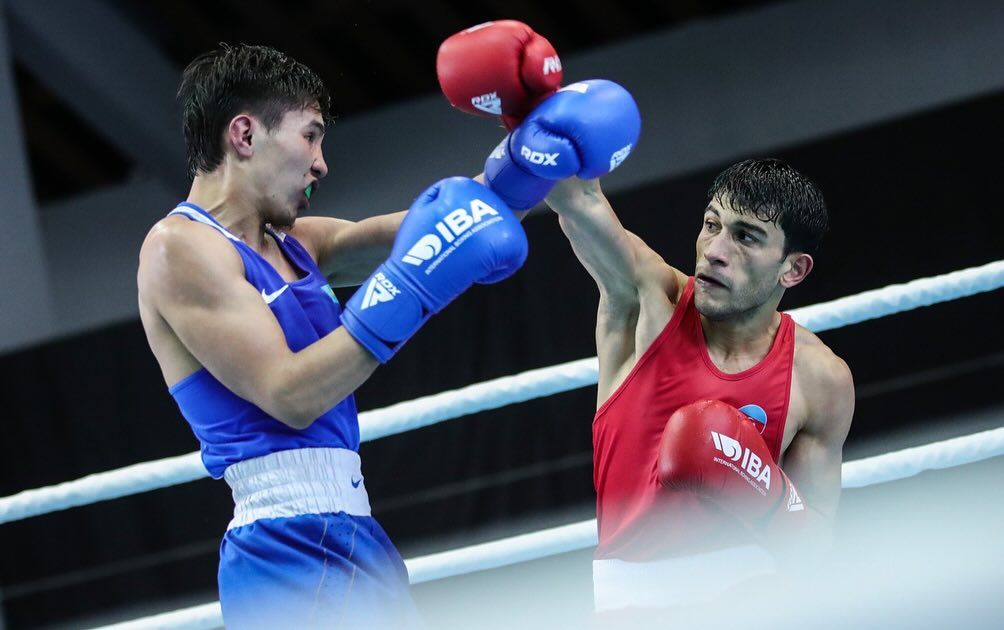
x=774, y=192
x=221, y=83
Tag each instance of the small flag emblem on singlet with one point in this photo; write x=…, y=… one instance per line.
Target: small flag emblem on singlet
x=756, y=414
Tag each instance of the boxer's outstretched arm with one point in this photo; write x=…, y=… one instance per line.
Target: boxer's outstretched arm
x=520, y=214
x=638, y=290
x=608, y=252
x=225, y=325
x=813, y=459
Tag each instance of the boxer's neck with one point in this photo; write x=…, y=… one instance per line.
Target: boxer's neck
x=736, y=339
x=223, y=195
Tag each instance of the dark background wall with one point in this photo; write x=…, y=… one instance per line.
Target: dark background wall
x=910, y=198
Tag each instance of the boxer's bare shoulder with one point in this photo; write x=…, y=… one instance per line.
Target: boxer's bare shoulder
x=819, y=418
x=177, y=259
x=820, y=372
x=822, y=391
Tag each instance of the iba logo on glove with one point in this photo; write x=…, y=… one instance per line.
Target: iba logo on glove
x=453, y=229
x=751, y=462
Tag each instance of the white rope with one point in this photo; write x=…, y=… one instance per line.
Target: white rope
x=122, y=482
x=492, y=394
x=912, y=461
x=496, y=393
x=582, y=535
x=897, y=298
x=501, y=553
x=202, y=617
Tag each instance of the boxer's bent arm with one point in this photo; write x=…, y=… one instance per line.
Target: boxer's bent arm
x=195, y=282
x=813, y=459
x=347, y=252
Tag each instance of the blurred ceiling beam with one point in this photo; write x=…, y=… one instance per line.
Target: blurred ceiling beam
x=115, y=78
x=93, y=244
x=25, y=293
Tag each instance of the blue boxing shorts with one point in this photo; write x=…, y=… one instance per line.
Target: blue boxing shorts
x=303, y=551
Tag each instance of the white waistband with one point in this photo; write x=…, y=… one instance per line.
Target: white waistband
x=295, y=482
x=685, y=580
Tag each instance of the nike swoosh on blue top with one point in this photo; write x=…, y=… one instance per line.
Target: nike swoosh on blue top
x=270, y=297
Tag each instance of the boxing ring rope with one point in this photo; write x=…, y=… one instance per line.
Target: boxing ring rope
x=582, y=535
x=495, y=393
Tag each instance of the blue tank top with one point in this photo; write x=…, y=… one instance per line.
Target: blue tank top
x=231, y=429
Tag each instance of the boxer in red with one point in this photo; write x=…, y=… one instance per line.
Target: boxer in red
x=705, y=389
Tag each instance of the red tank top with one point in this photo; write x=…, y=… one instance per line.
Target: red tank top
x=638, y=519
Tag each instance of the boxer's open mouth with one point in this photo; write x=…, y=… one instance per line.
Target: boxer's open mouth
x=710, y=280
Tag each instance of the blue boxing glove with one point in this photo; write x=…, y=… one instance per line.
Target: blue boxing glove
x=587, y=129
x=455, y=234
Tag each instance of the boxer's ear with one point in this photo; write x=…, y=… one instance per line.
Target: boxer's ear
x=795, y=268
x=240, y=135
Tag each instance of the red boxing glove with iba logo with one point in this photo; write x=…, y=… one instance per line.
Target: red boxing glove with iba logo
x=712, y=449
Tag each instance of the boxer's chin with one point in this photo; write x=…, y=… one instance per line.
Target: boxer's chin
x=711, y=308
x=284, y=219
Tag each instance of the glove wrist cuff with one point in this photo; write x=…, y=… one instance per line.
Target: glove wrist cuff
x=384, y=313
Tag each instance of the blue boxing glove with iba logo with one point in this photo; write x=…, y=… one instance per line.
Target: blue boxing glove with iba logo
x=456, y=233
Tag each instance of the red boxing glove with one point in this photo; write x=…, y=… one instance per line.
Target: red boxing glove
x=712, y=449
x=498, y=68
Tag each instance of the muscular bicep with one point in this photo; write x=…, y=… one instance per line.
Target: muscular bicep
x=219, y=317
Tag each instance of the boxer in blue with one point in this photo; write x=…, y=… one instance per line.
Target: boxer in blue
x=236, y=301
